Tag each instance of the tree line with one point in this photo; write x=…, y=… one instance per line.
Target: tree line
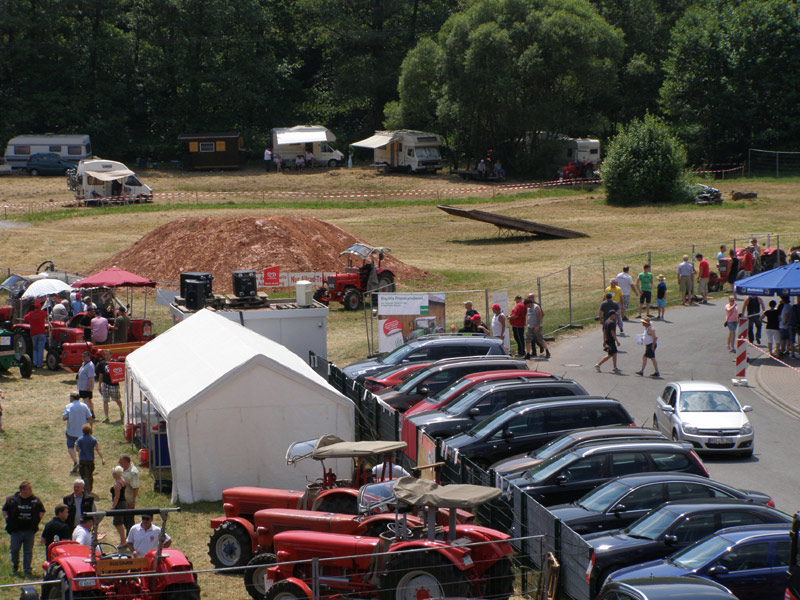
x=486, y=74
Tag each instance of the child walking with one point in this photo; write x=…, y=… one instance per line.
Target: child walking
x=661, y=298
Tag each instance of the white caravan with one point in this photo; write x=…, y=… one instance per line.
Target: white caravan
x=405, y=150
x=73, y=148
x=289, y=142
x=101, y=181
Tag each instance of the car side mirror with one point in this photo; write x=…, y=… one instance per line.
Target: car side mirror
x=667, y=409
x=747, y=408
x=717, y=570
x=423, y=390
x=474, y=412
x=561, y=479
x=507, y=434
x=670, y=539
x=619, y=508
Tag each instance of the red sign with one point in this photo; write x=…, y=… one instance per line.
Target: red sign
x=272, y=276
x=391, y=325
x=116, y=371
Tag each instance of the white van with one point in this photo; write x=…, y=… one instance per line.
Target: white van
x=99, y=181
x=405, y=150
x=72, y=148
x=289, y=142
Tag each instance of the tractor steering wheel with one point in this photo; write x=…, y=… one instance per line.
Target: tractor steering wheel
x=102, y=545
x=398, y=530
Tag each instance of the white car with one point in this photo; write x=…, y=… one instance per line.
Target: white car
x=705, y=414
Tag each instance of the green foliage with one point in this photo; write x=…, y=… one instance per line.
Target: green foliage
x=730, y=77
x=645, y=164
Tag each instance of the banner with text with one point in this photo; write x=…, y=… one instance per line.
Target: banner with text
x=272, y=277
x=404, y=317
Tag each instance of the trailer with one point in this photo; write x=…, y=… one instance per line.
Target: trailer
x=101, y=182
x=404, y=150
x=290, y=142
x=72, y=148
x=213, y=150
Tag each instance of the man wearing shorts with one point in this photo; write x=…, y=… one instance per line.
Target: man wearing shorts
x=610, y=342
x=686, y=280
x=644, y=288
x=109, y=390
x=703, y=275
x=76, y=414
x=86, y=381
x=625, y=283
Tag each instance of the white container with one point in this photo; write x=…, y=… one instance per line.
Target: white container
x=304, y=293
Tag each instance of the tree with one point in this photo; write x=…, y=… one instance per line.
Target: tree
x=730, y=78
x=645, y=163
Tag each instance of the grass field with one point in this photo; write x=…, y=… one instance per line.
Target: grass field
x=458, y=254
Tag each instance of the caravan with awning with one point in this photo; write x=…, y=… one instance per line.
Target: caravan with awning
x=291, y=142
x=405, y=150
x=99, y=181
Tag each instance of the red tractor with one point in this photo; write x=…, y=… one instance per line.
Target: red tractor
x=350, y=287
x=77, y=572
x=406, y=563
x=576, y=170
x=235, y=536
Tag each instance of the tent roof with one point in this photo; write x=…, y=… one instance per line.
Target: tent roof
x=784, y=281
x=203, y=350
x=114, y=277
x=379, y=140
x=303, y=134
x=422, y=492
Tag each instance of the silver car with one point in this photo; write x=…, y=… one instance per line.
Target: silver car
x=705, y=414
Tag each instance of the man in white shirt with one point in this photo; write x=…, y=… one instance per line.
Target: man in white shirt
x=143, y=537
x=83, y=532
x=625, y=283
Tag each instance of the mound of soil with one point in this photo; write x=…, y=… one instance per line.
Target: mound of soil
x=222, y=245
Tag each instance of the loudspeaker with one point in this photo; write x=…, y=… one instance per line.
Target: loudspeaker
x=195, y=294
x=244, y=283
x=207, y=278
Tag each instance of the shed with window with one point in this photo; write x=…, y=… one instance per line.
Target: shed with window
x=213, y=150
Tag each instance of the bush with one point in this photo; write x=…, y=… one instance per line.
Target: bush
x=645, y=163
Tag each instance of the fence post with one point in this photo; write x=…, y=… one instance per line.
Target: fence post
x=693, y=250
x=569, y=288
x=650, y=258
x=539, y=290
x=603, y=283
x=486, y=299
x=315, y=578
x=778, y=247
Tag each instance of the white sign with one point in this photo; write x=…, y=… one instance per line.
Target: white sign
x=404, y=317
x=402, y=304
x=286, y=280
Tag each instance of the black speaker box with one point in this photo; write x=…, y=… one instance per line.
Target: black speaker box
x=244, y=284
x=195, y=295
x=207, y=278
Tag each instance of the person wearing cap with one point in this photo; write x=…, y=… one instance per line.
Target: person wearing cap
x=83, y=532
x=143, y=537
x=703, y=277
x=77, y=303
x=650, y=341
x=517, y=321
x=470, y=312
x=498, y=325
x=661, y=297
x=610, y=342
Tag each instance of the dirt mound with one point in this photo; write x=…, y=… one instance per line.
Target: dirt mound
x=222, y=245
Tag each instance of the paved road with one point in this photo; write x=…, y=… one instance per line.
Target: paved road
x=691, y=345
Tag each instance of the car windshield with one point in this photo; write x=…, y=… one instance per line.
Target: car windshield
x=397, y=354
x=554, y=447
x=700, y=553
x=652, y=525
x=492, y=423
x=428, y=152
x=550, y=467
x=708, y=402
x=416, y=378
x=602, y=497
x=375, y=493
x=458, y=405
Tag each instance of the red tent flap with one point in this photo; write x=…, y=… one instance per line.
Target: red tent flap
x=114, y=277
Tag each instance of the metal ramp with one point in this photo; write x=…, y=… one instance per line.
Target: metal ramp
x=510, y=223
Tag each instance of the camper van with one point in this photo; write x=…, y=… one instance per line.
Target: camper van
x=405, y=150
x=72, y=148
x=290, y=142
x=101, y=181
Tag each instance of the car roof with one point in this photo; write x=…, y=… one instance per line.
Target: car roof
x=699, y=386
x=586, y=434
x=746, y=532
x=509, y=384
x=455, y=338
x=623, y=445
x=640, y=479
x=524, y=405
x=696, y=504
x=461, y=361
x=482, y=376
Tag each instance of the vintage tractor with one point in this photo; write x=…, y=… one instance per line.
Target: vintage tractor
x=235, y=537
x=350, y=287
x=408, y=561
x=9, y=357
x=100, y=571
x=576, y=170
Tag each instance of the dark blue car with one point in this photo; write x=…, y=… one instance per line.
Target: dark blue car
x=751, y=561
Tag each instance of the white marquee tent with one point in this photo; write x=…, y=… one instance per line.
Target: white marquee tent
x=233, y=401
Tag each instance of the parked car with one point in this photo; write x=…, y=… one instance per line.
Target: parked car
x=520, y=463
x=793, y=583
x=619, y=502
x=671, y=527
x=665, y=588
x=47, y=163
x=485, y=400
x=751, y=561
x=441, y=374
x=525, y=426
x=569, y=475
x=392, y=376
x=705, y=414
x=463, y=385
x=428, y=348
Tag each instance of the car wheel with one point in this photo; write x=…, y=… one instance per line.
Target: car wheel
x=422, y=575
x=747, y=453
x=332, y=163
x=53, y=360
x=352, y=299
x=255, y=573
x=25, y=366
x=230, y=546
x=286, y=590
x=34, y=172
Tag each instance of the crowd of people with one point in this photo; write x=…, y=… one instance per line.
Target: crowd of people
x=274, y=161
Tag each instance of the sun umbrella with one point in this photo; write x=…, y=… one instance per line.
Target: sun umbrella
x=46, y=287
x=784, y=281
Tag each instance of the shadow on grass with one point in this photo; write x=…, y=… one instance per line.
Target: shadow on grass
x=507, y=239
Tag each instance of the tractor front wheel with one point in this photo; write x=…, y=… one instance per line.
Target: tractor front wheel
x=230, y=546
x=22, y=344
x=352, y=299
x=422, y=575
x=52, y=590
x=255, y=573
x=53, y=360
x=181, y=591
x=25, y=366
x=286, y=590
x=588, y=172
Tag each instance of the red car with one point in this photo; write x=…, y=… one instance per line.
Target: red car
x=393, y=376
x=466, y=382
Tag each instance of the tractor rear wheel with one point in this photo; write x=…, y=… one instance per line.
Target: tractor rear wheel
x=22, y=344
x=52, y=590
x=25, y=366
x=422, y=575
x=717, y=285
x=499, y=580
x=181, y=591
x=340, y=504
x=286, y=590
x=53, y=360
x=319, y=296
x=588, y=172
x=255, y=573
x=352, y=299
x=386, y=283
x=230, y=546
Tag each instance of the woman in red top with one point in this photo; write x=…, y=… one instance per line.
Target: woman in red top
x=36, y=318
x=517, y=321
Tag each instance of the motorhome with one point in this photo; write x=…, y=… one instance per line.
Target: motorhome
x=290, y=142
x=405, y=150
x=101, y=181
x=72, y=148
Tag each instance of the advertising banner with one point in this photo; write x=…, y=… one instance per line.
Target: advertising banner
x=116, y=371
x=404, y=317
x=272, y=277
x=286, y=279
